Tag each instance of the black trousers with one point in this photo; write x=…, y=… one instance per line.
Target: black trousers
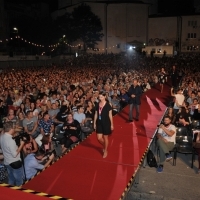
x=67, y=142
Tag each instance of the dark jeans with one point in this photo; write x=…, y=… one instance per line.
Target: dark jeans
x=67, y=142
x=15, y=176
x=198, y=152
x=131, y=108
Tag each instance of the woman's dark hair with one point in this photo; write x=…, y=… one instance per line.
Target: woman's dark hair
x=183, y=110
x=103, y=94
x=63, y=108
x=45, y=139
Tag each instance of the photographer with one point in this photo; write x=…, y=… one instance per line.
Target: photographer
x=11, y=153
x=32, y=163
x=166, y=140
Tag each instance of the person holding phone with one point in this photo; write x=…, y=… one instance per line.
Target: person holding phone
x=103, y=122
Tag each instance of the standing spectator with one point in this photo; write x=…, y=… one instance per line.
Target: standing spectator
x=11, y=153
x=179, y=99
x=79, y=115
x=174, y=76
x=135, y=92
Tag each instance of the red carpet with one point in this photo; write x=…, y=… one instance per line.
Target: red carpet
x=84, y=174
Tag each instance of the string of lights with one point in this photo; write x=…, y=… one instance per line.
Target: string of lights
x=54, y=45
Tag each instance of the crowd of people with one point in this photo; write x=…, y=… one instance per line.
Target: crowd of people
x=45, y=101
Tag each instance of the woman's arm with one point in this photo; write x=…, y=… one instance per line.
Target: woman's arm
x=95, y=119
x=34, y=146
x=111, y=119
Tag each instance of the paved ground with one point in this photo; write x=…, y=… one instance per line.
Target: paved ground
x=175, y=183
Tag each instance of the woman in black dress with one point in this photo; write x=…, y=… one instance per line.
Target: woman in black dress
x=103, y=122
x=162, y=78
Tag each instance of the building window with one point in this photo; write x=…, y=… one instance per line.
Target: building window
x=192, y=23
x=192, y=35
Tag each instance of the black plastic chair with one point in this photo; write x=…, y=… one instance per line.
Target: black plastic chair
x=195, y=124
x=183, y=131
x=184, y=145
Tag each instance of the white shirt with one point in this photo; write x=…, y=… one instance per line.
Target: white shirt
x=167, y=137
x=179, y=98
x=9, y=148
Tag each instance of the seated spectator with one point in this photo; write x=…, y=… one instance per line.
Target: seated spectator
x=179, y=99
x=182, y=118
x=46, y=126
x=61, y=118
x=53, y=111
x=20, y=120
x=17, y=101
x=191, y=97
x=166, y=140
x=11, y=116
x=53, y=98
x=170, y=113
x=32, y=163
x=90, y=110
x=193, y=106
x=30, y=124
x=72, y=132
x=46, y=143
x=30, y=146
x=115, y=105
x=21, y=109
x=79, y=115
x=124, y=98
x=197, y=140
x=145, y=85
x=196, y=115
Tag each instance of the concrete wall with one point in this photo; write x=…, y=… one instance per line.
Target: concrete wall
x=126, y=23
x=162, y=30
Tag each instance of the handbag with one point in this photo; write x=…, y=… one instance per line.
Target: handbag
x=16, y=164
x=196, y=141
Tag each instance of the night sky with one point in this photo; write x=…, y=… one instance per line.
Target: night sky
x=53, y=4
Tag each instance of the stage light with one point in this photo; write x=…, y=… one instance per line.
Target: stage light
x=130, y=48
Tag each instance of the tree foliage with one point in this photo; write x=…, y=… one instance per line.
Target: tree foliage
x=82, y=24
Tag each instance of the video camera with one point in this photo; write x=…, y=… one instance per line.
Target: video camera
x=22, y=136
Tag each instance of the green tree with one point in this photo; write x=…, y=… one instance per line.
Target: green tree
x=86, y=26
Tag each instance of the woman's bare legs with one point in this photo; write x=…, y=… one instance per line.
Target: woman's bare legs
x=103, y=140
x=105, y=153
x=161, y=88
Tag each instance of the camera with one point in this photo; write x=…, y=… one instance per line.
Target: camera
x=22, y=136
x=47, y=155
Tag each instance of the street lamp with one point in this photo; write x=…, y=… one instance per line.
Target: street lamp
x=15, y=29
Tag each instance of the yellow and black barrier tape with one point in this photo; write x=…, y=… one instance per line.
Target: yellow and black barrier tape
x=42, y=194
x=133, y=176
x=58, y=158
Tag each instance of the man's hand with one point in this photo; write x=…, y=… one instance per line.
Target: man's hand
x=161, y=126
x=132, y=95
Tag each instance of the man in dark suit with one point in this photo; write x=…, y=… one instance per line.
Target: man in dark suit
x=135, y=92
x=174, y=76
